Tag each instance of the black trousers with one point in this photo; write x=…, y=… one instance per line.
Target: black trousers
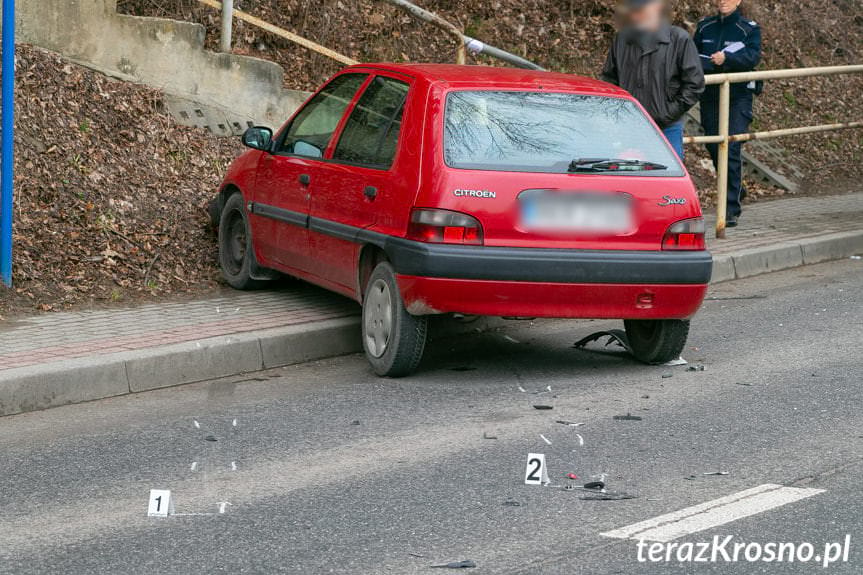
x=739, y=118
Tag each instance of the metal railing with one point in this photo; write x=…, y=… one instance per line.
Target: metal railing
x=227, y=9
x=724, y=139
x=463, y=43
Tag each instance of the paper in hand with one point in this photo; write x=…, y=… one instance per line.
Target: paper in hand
x=734, y=47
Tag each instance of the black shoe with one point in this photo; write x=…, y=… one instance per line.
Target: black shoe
x=731, y=222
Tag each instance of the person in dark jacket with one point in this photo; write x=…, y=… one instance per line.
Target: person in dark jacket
x=728, y=42
x=658, y=64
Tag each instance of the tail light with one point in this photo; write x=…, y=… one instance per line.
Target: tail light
x=444, y=227
x=685, y=235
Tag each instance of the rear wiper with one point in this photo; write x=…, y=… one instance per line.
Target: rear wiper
x=612, y=165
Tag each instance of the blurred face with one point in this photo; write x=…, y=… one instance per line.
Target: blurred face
x=726, y=7
x=648, y=17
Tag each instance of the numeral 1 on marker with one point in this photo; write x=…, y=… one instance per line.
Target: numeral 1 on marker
x=161, y=504
x=536, y=473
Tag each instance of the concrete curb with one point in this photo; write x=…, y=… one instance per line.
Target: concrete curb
x=785, y=255
x=73, y=381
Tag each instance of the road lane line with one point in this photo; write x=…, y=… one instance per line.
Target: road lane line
x=713, y=513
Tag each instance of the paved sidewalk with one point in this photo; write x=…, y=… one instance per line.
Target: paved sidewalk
x=59, y=336
x=789, y=219
x=57, y=358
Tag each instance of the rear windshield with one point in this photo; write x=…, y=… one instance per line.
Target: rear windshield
x=546, y=131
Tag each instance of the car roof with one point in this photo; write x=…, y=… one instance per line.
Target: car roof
x=489, y=76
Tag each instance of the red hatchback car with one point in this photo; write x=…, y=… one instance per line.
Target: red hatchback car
x=429, y=189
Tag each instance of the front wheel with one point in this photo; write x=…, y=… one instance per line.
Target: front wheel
x=393, y=339
x=657, y=340
x=236, y=257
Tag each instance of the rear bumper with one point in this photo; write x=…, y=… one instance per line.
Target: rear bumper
x=437, y=278
x=425, y=295
x=411, y=258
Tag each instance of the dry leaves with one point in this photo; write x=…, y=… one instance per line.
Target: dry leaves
x=110, y=192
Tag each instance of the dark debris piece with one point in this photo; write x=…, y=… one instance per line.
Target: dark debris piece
x=543, y=407
x=511, y=503
x=617, y=336
x=627, y=417
x=210, y=438
x=594, y=485
x=695, y=368
x=607, y=496
x=355, y=422
x=467, y=564
x=487, y=435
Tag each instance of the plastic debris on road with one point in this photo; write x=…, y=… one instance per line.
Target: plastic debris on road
x=616, y=336
x=678, y=361
x=607, y=496
x=467, y=564
x=543, y=407
x=569, y=423
x=627, y=417
x=695, y=368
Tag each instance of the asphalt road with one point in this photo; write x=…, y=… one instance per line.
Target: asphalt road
x=340, y=472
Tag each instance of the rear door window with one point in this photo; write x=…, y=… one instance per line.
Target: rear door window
x=311, y=130
x=370, y=137
x=547, y=131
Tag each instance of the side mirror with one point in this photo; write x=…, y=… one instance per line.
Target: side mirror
x=258, y=138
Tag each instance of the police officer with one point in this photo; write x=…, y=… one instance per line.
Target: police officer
x=728, y=42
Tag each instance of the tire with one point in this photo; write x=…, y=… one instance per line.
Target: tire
x=236, y=257
x=657, y=340
x=393, y=339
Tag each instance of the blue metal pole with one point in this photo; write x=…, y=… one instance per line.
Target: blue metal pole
x=7, y=123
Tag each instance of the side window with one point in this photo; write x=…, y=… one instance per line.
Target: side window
x=372, y=131
x=310, y=132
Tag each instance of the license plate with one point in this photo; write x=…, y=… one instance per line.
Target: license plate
x=566, y=212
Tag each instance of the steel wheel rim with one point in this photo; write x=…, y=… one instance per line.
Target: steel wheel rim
x=378, y=319
x=235, y=248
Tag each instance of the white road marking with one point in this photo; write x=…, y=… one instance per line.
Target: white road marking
x=713, y=513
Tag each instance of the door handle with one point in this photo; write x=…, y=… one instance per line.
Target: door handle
x=370, y=192
x=305, y=179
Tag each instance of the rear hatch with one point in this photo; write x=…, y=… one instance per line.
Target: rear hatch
x=559, y=170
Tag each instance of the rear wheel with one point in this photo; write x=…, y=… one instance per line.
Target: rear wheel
x=657, y=340
x=393, y=339
x=236, y=257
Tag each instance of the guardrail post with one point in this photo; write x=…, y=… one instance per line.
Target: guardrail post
x=227, y=25
x=722, y=159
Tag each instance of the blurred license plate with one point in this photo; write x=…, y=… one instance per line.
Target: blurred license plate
x=577, y=212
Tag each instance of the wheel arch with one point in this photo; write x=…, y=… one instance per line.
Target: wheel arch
x=370, y=256
x=217, y=204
